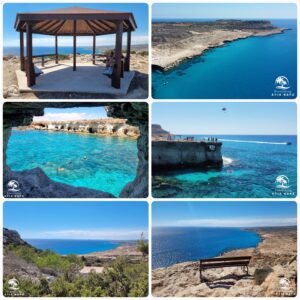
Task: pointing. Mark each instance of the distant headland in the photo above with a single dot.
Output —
(174, 42)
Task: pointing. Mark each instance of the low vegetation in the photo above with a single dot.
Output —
(120, 279)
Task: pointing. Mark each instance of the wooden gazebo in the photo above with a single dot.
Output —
(75, 21)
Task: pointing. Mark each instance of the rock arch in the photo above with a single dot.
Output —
(21, 114)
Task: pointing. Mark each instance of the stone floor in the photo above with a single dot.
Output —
(88, 78)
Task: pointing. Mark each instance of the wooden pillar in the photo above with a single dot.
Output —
(29, 65)
(74, 45)
(116, 78)
(56, 50)
(22, 58)
(94, 49)
(127, 61)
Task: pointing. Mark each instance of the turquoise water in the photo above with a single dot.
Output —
(171, 245)
(64, 247)
(100, 163)
(50, 50)
(251, 165)
(243, 69)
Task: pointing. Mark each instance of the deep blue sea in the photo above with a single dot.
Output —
(64, 247)
(50, 50)
(100, 163)
(251, 166)
(171, 245)
(242, 69)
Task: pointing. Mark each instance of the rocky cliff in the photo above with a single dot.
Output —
(185, 154)
(173, 42)
(12, 237)
(105, 127)
(157, 131)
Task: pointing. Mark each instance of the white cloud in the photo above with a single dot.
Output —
(94, 234)
(255, 222)
(82, 41)
(65, 117)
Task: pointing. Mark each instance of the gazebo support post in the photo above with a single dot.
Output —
(127, 61)
(29, 64)
(116, 78)
(56, 50)
(94, 49)
(22, 58)
(74, 45)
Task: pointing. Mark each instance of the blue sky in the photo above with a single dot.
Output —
(224, 10)
(11, 37)
(70, 114)
(224, 213)
(239, 118)
(114, 220)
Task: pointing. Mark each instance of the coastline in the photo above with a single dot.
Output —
(165, 58)
(99, 127)
(275, 253)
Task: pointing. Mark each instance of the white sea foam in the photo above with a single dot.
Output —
(227, 161)
(255, 142)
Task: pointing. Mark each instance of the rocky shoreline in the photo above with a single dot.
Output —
(172, 43)
(272, 271)
(101, 127)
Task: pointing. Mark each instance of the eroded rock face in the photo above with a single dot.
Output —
(106, 127)
(136, 113)
(185, 154)
(12, 237)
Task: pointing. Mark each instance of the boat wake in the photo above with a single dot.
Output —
(254, 142)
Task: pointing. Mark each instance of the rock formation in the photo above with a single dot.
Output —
(105, 127)
(22, 113)
(157, 131)
(12, 237)
(185, 154)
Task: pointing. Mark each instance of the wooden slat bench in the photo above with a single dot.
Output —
(223, 262)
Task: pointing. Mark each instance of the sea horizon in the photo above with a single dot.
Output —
(64, 50)
(75, 246)
(176, 245)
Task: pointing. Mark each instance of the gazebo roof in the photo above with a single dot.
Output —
(89, 21)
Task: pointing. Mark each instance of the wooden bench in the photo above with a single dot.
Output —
(224, 262)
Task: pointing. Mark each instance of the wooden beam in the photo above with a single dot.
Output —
(116, 78)
(29, 66)
(74, 45)
(22, 58)
(127, 60)
(94, 49)
(56, 50)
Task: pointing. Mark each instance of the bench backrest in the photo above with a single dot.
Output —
(222, 262)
